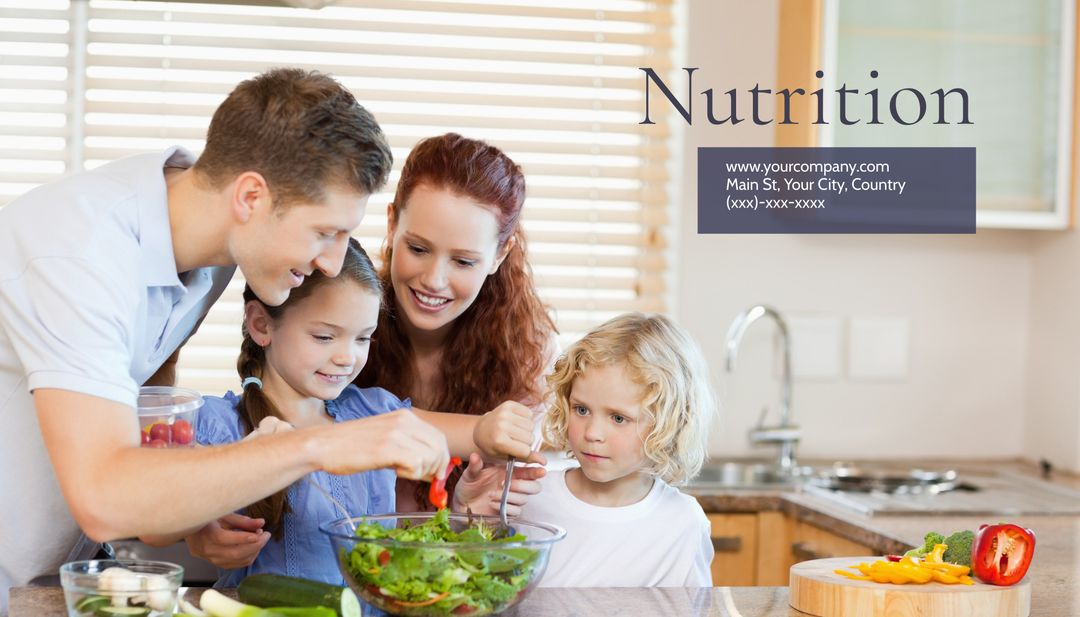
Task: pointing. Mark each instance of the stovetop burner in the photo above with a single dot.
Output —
(1003, 493)
(851, 477)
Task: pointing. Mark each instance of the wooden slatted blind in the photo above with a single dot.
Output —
(554, 84)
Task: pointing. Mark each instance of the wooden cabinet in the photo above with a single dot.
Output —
(774, 548)
(735, 540)
(812, 542)
(759, 548)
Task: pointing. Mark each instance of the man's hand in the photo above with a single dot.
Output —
(98, 462)
(480, 487)
(232, 541)
(398, 440)
(505, 431)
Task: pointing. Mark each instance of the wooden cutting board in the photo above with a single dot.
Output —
(817, 590)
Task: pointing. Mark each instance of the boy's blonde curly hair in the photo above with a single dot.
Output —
(660, 357)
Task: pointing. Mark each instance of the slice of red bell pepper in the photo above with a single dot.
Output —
(437, 494)
(1002, 553)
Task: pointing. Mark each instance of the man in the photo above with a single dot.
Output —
(104, 275)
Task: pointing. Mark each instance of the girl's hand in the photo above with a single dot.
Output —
(480, 487)
(506, 431)
(232, 541)
(268, 426)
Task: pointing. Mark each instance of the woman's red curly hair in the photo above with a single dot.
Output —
(495, 350)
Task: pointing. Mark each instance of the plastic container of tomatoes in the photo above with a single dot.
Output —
(167, 416)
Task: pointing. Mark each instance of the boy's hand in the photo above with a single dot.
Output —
(506, 431)
(232, 541)
(480, 487)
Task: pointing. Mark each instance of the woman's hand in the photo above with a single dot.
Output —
(480, 487)
(232, 541)
(506, 431)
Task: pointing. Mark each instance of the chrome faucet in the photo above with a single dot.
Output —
(785, 434)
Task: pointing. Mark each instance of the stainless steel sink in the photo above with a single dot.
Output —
(746, 474)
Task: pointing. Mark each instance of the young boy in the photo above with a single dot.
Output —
(105, 274)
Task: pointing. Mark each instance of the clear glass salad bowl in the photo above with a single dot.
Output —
(120, 588)
(440, 564)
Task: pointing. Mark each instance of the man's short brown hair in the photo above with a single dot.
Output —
(302, 130)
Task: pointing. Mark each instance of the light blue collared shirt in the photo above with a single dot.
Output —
(90, 302)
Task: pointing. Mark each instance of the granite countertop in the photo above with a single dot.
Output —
(551, 602)
(1055, 571)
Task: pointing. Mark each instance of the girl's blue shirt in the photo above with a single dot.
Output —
(304, 551)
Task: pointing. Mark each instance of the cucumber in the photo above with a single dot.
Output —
(122, 611)
(303, 611)
(272, 590)
(89, 604)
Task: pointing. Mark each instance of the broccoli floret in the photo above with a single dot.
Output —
(929, 541)
(959, 551)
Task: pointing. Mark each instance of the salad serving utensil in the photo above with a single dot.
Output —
(506, 530)
(344, 513)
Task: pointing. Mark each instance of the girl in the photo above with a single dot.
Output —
(463, 328)
(632, 403)
(297, 361)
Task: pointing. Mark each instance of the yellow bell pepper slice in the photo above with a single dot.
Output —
(910, 570)
(853, 576)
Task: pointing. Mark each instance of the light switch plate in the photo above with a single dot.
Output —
(878, 349)
(816, 349)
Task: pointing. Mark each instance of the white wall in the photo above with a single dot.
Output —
(967, 300)
(1053, 397)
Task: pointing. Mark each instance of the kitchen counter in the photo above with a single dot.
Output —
(550, 602)
(1055, 571)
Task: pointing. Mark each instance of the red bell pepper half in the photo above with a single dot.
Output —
(1002, 553)
(437, 494)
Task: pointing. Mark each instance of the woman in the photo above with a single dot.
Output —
(464, 328)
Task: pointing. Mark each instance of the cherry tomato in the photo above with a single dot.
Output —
(160, 430)
(145, 437)
(158, 443)
(182, 432)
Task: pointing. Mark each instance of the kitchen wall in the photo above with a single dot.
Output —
(1052, 430)
(977, 307)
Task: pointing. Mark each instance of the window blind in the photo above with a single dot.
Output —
(554, 84)
(35, 95)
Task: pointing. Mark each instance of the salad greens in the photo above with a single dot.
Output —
(439, 580)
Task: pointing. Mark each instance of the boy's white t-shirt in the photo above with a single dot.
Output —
(661, 541)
